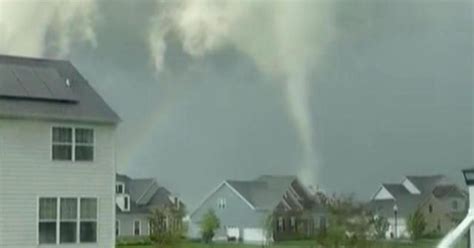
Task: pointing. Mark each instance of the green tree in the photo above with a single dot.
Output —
(416, 225)
(167, 227)
(209, 224)
(268, 226)
(381, 226)
(349, 224)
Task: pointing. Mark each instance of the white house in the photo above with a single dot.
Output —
(57, 157)
(442, 204)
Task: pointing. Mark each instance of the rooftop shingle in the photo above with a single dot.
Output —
(32, 88)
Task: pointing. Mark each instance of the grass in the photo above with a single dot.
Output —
(310, 244)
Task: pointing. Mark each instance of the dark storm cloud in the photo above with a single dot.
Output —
(392, 96)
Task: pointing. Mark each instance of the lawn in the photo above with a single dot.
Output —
(308, 244)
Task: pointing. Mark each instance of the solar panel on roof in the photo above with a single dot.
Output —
(55, 83)
(9, 85)
(34, 82)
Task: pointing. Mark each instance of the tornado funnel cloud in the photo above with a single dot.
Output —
(298, 98)
(283, 38)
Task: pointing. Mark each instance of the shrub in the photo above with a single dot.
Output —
(209, 224)
(381, 226)
(416, 225)
(349, 224)
(167, 228)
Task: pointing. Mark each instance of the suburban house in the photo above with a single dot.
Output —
(443, 204)
(135, 201)
(57, 157)
(244, 206)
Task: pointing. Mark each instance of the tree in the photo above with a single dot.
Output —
(268, 226)
(209, 224)
(381, 226)
(349, 224)
(416, 224)
(167, 228)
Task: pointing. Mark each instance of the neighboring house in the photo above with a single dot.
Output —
(243, 206)
(57, 157)
(135, 199)
(443, 204)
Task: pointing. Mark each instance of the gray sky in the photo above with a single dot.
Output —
(391, 95)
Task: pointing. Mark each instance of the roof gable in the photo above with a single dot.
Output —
(382, 194)
(215, 190)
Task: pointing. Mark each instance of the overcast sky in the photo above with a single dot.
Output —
(390, 95)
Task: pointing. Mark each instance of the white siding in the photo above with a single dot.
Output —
(27, 173)
(254, 235)
(410, 187)
(402, 231)
(383, 194)
(126, 224)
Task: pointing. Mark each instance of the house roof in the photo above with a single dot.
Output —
(265, 192)
(268, 193)
(449, 190)
(34, 88)
(435, 185)
(426, 184)
(406, 204)
(145, 193)
(396, 189)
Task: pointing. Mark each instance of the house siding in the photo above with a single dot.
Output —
(383, 194)
(236, 214)
(442, 214)
(27, 173)
(126, 225)
(399, 228)
(447, 203)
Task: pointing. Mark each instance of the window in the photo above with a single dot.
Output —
(88, 220)
(68, 220)
(281, 224)
(126, 203)
(430, 208)
(455, 205)
(47, 220)
(221, 203)
(84, 140)
(72, 216)
(293, 224)
(120, 188)
(136, 228)
(62, 143)
(73, 144)
(117, 228)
